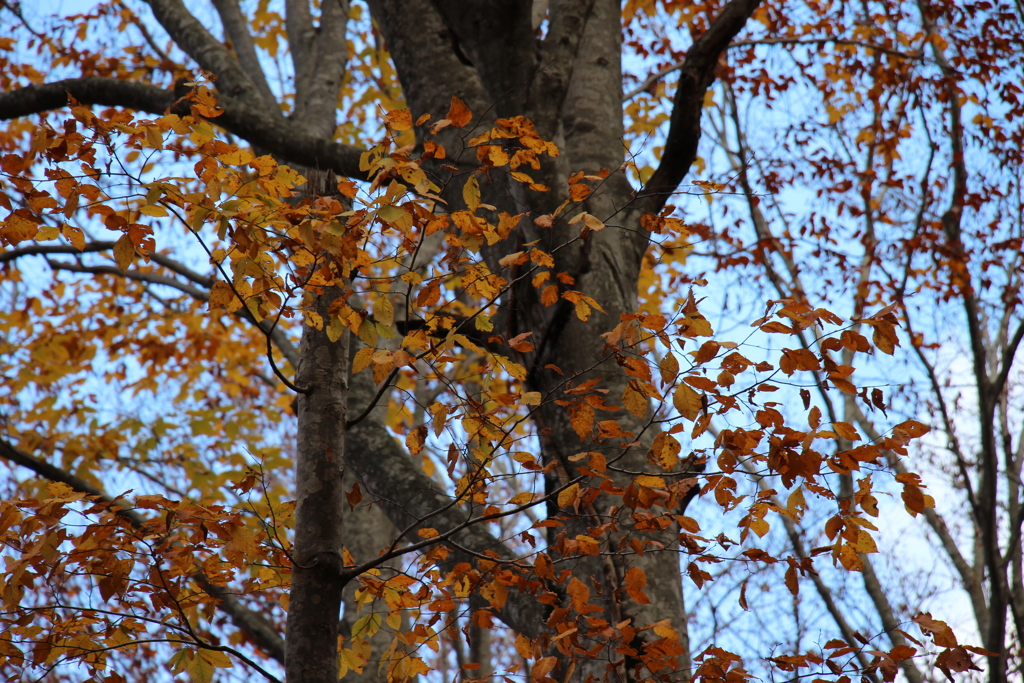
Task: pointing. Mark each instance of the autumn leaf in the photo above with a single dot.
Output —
(399, 119)
(124, 253)
(459, 114)
(568, 495)
(471, 193)
(634, 582)
(687, 402)
(579, 595)
(634, 398)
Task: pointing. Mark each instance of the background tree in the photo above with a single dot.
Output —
(470, 239)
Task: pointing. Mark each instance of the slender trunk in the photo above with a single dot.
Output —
(315, 603)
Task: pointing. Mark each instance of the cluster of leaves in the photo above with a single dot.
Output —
(271, 255)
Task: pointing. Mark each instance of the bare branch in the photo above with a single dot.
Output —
(44, 249)
(209, 53)
(1006, 362)
(661, 73)
(316, 92)
(824, 592)
(236, 29)
(888, 617)
(968, 577)
(298, 22)
(140, 276)
(695, 77)
(146, 35)
(273, 333)
(557, 61)
(120, 507)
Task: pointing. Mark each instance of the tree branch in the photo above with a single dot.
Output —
(275, 134)
(236, 29)
(695, 77)
(316, 92)
(824, 592)
(661, 73)
(273, 333)
(557, 62)
(210, 54)
(408, 496)
(298, 22)
(140, 276)
(1006, 362)
(44, 249)
(968, 577)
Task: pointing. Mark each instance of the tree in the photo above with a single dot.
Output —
(456, 263)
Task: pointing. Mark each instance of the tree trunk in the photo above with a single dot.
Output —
(315, 602)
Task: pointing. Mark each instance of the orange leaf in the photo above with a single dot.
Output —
(846, 430)
(459, 114)
(707, 352)
(579, 594)
(400, 119)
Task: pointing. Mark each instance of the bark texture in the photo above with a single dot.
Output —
(315, 601)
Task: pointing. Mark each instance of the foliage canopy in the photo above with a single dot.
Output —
(383, 340)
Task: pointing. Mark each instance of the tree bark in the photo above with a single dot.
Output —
(316, 592)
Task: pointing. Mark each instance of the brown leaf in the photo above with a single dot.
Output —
(706, 352)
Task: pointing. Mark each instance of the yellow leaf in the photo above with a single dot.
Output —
(124, 253)
(663, 629)
(399, 119)
(384, 311)
(73, 235)
(471, 193)
(687, 402)
(236, 158)
(650, 481)
(313, 319)
(366, 625)
(865, 543)
(427, 533)
(569, 496)
(530, 398)
(634, 399)
(521, 499)
(217, 658)
(668, 367)
(200, 670)
(361, 360)
(848, 557)
(796, 503)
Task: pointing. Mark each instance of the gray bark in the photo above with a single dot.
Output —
(315, 601)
